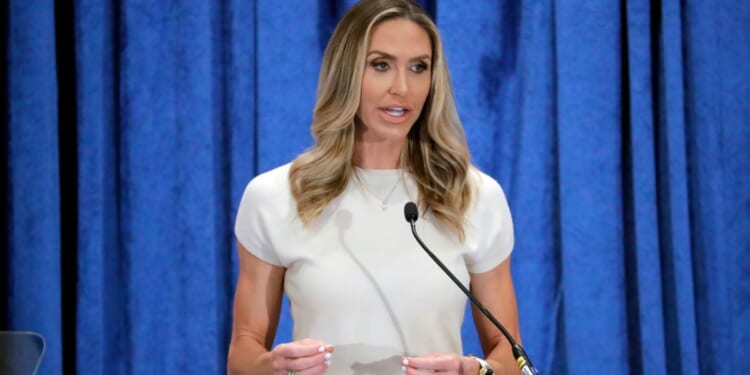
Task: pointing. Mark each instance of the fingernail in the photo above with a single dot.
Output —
(321, 349)
(327, 356)
(329, 348)
(327, 362)
(403, 368)
(405, 362)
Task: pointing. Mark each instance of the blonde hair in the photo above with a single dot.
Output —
(435, 153)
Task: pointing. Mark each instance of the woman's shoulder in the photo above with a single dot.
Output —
(490, 225)
(270, 184)
(488, 196)
(265, 201)
(485, 186)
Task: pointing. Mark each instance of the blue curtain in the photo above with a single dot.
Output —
(620, 131)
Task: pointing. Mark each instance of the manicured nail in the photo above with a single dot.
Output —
(327, 362)
(321, 349)
(329, 348)
(405, 362)
(403, 368)
(327, 356)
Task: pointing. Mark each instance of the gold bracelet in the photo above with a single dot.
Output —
(484, 367)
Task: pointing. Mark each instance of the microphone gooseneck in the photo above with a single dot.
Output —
(411, 214)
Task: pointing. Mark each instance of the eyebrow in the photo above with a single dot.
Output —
(391, 57)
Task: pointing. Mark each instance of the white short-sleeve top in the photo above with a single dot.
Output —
(357, 279)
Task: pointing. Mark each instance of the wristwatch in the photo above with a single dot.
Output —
(484, 367)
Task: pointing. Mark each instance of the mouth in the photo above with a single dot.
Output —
(395, 111)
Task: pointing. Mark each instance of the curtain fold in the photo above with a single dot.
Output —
(619, 131)
(33, 179)
(101, 302)
(717, 116)
(535, 200)
(674, 216)
(588, 119)
(643, 264)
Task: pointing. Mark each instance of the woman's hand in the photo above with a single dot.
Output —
(302, 357)
(440, 363)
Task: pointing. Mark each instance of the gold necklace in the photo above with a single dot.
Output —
(384, 202)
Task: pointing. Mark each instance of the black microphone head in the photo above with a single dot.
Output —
(411, 213)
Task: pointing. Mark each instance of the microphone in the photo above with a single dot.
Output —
(522, 359)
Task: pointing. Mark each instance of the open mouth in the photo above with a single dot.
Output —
(395, 111)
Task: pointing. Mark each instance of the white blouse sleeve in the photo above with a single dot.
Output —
(255, 217)
(491, 226)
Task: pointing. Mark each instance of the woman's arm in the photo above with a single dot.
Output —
(494, 289)
(257, 304)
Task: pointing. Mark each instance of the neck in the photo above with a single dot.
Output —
(377, 154)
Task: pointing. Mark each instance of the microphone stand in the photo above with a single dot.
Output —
(522, 359)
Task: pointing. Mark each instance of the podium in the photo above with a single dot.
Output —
(20, 352)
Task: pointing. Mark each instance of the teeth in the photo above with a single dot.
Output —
(395, 111)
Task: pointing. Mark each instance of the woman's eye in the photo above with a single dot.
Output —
(419, 68)
(380, 66)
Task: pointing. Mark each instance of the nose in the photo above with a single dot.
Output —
(399, 84)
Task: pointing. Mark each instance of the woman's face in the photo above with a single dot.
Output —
(396, 81)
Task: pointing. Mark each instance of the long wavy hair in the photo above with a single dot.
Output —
(435, 154)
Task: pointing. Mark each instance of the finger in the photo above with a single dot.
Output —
(408, 368)
(414, 371)
(302, 348)
(316, 370)
(326, 347)
(304, 363)
(434, 363)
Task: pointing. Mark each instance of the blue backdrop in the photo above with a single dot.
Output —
(620, 131)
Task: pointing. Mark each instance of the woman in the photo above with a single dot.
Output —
(328, 229)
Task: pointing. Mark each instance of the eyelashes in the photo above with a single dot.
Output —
(419, 68)
(382, 66)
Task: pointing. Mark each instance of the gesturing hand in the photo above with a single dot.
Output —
(302, 357)
(439, 363)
